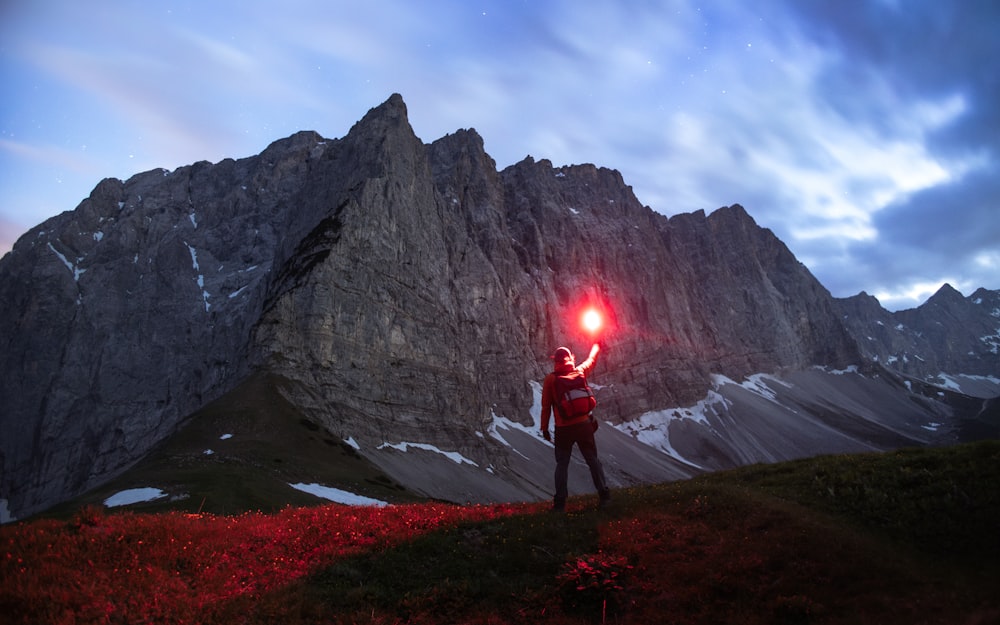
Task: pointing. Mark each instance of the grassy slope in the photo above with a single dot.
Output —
(911, 536)
(906, 537)
(272, 445)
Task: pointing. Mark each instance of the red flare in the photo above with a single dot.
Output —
(592, 321)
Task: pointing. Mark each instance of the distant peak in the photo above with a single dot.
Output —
(945, 295)
(388, 119)
(394, 107)
(395, 100)
(392, 112)
(462, 136)
(736, 210)
(732, 214)
(947, 290)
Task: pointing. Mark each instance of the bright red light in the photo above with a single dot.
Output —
(592, 321)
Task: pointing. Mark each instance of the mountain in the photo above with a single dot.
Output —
(403, 298)
(948, 333)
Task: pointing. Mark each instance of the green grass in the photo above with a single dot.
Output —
(911, 536)
(273, 444)
(906, 537)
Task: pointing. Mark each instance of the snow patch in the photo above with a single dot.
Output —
(225, 437)
(756, 384)
(653, 428)
(201, 278)
(497, 423)
(536, 404)
(194, 256)
(454, 456)
(992, 342)
(853, 369)
(966, 384)
(502, 423)
(208, 452)
(133, 495)
(948, 382)
(336, 495)
(353, 443)
(5, 516)
(75, 270)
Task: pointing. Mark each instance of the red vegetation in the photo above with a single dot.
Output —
(184, 568)
(709, 559)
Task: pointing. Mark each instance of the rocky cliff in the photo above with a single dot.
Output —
(407, 293)
(948, 333)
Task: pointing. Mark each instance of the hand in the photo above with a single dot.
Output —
(547, 435)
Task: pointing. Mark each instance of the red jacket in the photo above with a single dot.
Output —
(549, 389)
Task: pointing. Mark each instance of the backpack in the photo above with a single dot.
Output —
(573, 397)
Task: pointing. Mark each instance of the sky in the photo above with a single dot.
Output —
(865, 135)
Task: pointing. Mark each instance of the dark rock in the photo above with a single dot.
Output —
(948, 334)
(407, 293)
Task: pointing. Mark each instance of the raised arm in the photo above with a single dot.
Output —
(591, 360)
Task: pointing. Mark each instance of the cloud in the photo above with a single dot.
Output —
(46, 154)
(845, 129)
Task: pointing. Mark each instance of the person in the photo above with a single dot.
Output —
(577, 430)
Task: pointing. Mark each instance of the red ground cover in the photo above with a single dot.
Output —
(179, 568)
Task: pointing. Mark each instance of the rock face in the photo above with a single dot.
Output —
(408, 293)
(949, 333)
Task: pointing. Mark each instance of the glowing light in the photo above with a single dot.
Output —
(592, 321)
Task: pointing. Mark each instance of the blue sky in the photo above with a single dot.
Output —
(866, 135)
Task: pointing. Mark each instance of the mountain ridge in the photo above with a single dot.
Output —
(408, 292)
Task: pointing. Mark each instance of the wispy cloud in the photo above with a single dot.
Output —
(854, 131)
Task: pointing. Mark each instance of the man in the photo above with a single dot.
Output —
(571, 430)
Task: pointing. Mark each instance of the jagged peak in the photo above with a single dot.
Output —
(864, 295)
(983, 294)
(392, 112)
(864, 302)
(300, 138)
(722, 215)
(461, 138)
(735, 212)
(946, 294)
(589, 170)
(463, 144)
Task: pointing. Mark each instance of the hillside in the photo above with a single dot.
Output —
(901, 537)
(404, 297)
(253, 449)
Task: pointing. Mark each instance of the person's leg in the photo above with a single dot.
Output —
(564, 449)
(588, 447)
